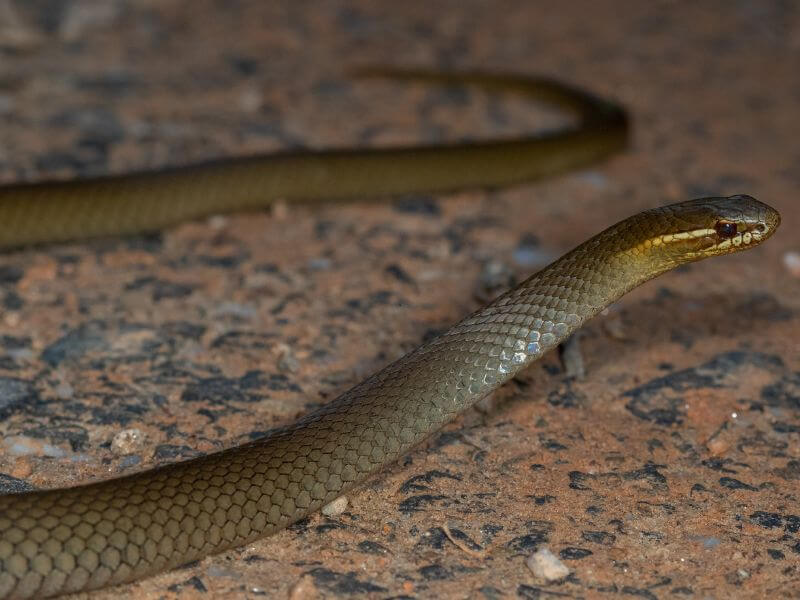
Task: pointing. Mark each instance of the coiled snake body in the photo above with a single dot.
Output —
(58, 541)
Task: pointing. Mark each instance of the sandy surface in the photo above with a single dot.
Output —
(671, 470)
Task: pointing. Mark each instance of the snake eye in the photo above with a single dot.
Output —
(725, 229)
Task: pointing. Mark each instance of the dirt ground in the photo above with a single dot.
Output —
(671, 470)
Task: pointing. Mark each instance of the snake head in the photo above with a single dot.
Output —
(706, 227)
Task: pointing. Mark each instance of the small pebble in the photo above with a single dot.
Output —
(304, 589)
(532, 258)
(336, 507)
(250, 100)
(546, 565)
(64, 391)
(19, 445)
(319, 264)
(791, 260)
(529, 254)
(128, 441)
(718, 446)
(572, 357)
(130, 460)
(279, 210)
(495, 278)
(217, 222)
(496, 274)
(22, 468)
(593, 178)
(615, 329)
(222, 571)
(287, 363)
(236, 310)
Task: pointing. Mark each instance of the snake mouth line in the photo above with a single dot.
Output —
(704, 240)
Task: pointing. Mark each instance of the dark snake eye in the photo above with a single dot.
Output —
(725, 229)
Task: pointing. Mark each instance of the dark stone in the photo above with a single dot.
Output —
(566, 397)
(718, 464)
(649, 472)
(415, 483)
(784, 393)
(379, 298)
(118, 410)
(437, 539)
(193, 582)
(224, 390)
(95, 124)
(571, 553)
(599, 537)
(791, 471)
(418, 503)
(553, 446)
(735, 484)
(660, 400)
(422, 205)
(369, 547)
(12, 485)
(74, 435)
(244, 65)
(533, 592)
(12, 343)
(329, 526)
(399, 273)
(542, 500)
(766, 520)
(169, 289)
(76, 343)
(783, 427)
(10, 274)
(15, 394)
(342, 583)
(435, 572)
(110, 83)
(764, 306)
(13, 301)
(527, 543)
(642, 593)
(171, 451)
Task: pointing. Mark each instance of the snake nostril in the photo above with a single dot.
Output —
(761, 229)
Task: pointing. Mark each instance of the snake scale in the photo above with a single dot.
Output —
(58, 541)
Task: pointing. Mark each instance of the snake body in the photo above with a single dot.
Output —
(142, 202)
(59, 541)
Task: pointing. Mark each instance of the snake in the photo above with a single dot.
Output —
(109, 532)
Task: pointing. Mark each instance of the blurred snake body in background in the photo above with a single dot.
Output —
(59, 541)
